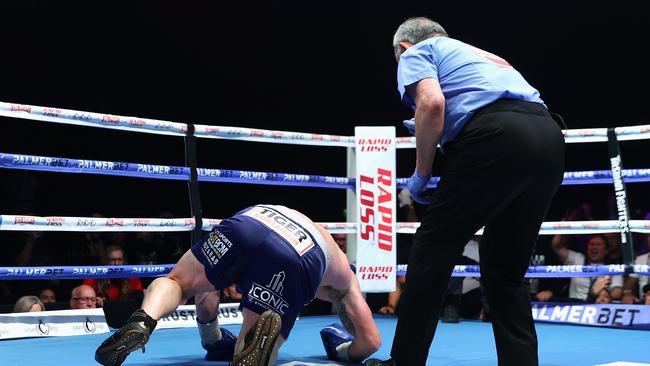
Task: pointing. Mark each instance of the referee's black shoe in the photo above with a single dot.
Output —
(450, 314)
(132, 336)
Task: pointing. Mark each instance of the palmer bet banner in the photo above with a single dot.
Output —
(53, 323)
(376, 190)
(185, 316)
(600, 315)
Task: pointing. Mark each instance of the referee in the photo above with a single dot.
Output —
(503, 160)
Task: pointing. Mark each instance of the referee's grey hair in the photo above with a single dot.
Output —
(416, 30)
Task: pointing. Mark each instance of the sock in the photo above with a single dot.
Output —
(210, 332)
(140, 316)
(343, 352)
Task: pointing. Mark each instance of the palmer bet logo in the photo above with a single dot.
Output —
(270, 296)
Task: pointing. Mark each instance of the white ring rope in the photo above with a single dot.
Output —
(86, 224)
(137, 124)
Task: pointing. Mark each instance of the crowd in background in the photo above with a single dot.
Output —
(464, 298)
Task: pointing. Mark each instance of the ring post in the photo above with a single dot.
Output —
(351, 205)
(376, 227)
(193, 184)
(627, 247)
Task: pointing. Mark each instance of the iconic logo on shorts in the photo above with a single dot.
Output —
(276, 282)
(270, 296)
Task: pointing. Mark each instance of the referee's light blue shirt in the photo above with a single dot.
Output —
(470, 78)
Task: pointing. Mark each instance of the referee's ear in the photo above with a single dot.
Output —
(404, 45)
(401, 47)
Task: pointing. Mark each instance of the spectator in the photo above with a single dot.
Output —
(614, 253)
(557, 289)
(34, 248)
(85, 249)
(28, 304)
(6, 294)
(646, 294)
(596, 293)
(546, 289)
(393, 298)
(453, 298)
(47, 296)
(157, 247)
(464, 297)
(116, 288)
(153, 247)
(83, 297)
(635, 282)
(342, 241)
(18, 195)
(148, 247)
(31, 253)
(629, 298)
(95, 244)
(406, 212)
(473, 303)
(603, 297)
(581, 288)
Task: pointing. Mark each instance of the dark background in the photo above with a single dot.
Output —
(321, 67)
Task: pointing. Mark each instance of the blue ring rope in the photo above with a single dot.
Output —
(81, 272)
(152, 171)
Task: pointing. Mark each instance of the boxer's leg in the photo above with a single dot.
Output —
(218, 342)
(259, 339)
(162, 297)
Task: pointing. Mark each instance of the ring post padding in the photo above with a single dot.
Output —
(627, 246)
(351, 205)
(193, 184)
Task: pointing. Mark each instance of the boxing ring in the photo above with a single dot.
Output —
(465, 343)
(468, 343)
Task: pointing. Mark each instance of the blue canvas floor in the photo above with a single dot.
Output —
(468, 343)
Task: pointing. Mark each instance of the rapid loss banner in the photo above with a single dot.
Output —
(376, 190)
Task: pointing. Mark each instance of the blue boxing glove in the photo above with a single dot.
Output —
(410, 124)
(336, 340)
(417, 185)
(223, 349)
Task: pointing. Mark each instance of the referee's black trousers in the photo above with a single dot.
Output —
(501, 172)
